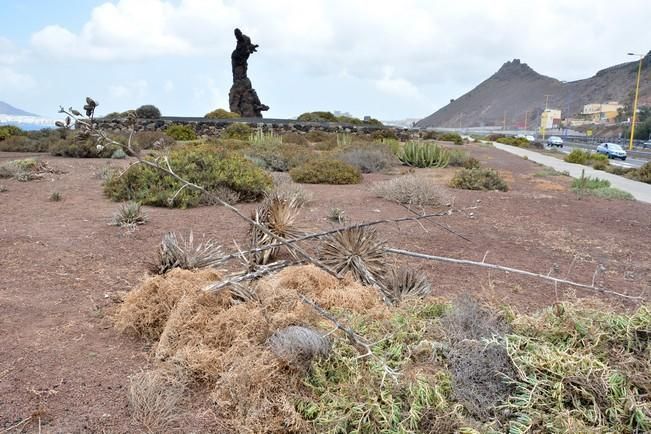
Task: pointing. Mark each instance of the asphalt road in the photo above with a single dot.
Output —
(635, 159)
(639, 190)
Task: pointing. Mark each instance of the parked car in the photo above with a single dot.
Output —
(612, 150)
(646, 144)
(530, 138)
(555, 141)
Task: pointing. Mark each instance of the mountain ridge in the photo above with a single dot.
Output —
(7, 109)
(517, 92)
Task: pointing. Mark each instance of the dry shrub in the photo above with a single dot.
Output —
(356, 250)
(226, 344)
(402, 283)
(481, 373)
(285, 189)
(154, 397)
(278, 214)
(298, 345)
(412, 190)
(179, 252)
(468, 319)
(146, 309)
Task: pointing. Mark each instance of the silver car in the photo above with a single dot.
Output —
(555, 141)
(612, 150)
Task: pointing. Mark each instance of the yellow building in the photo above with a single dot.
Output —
(602, 112)
(550, 119)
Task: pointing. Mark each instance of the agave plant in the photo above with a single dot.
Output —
(278, 213)
(129, 215)
(178, 252)
(405, 282)
(357, 250)
(420, 154)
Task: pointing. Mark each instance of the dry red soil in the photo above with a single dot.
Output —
(63, 365)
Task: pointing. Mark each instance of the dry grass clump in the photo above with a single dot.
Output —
(24, 170)
(154, 398)
(468, 319)
(412, 190)
(357, 250)
(179, 252)
(146, 310)
(402, 283)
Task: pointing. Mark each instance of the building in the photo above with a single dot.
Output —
(550, 118)
(602, 112)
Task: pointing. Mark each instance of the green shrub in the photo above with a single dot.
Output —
(326, 171)
(588, 183)
(81, 148)
(643, 174)
(599, 157)
(118, 154)
(181, 132)
(24, 144)
(369, 159)
(278, 158)
(393, 144)
(316, 136)
(421, 154)
(240, 131)
(478, 179)
(151, 139)
(317, 117)
(10, 131)
(578, 156)
(229, 144)
(610, 193)
(221, 114)
(520, 142)
(295, 138)
(599, 165)
(458, 158)
(201, 165)
(471, 163)
(148, 112)
(115, 115)
(385, 133)
(451, 137)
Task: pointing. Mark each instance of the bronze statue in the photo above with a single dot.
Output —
(242, 98)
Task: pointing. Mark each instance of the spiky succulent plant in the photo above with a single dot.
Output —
(403, 282)
(357, 250)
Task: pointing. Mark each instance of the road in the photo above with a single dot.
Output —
(639, 190)
(635, 159)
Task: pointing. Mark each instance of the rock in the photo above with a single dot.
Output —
(242, 98)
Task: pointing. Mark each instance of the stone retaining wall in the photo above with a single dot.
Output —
(214, 127)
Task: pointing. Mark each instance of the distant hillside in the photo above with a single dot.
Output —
(6, 109)
(516, 89)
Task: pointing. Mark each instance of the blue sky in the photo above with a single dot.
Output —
(387, 59)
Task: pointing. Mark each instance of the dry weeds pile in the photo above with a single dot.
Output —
(228, 345)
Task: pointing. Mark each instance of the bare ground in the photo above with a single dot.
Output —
(62, 265)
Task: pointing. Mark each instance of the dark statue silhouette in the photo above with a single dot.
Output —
(242, 98)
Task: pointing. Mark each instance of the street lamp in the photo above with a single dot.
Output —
(637, 89)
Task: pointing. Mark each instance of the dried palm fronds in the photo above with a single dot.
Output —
(405, 282)
(278, 213)
(357, 250)
(178, 252)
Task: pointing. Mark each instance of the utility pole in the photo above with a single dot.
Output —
(637, 90)
(543, 125)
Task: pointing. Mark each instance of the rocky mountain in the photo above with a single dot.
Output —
(6, 109)
(516, 91)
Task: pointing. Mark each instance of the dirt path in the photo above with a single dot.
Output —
(61, 265)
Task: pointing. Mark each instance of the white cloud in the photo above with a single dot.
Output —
(135, 90)
(12, 81)
(396, 86)
(168, 86)
(207, 91)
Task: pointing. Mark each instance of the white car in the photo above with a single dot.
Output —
(530, 138)
(555, 141)
(612, 150)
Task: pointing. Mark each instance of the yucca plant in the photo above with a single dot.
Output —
(179, 252)
(357, 250)
(402, 282)
(129, 215)
(344, 139)
(420, 154)
(262, 138)
(278, 213)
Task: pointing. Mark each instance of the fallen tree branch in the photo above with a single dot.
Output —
(591, 287)
(259, 272)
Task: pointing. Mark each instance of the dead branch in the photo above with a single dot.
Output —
(243, 276)
(591, 287)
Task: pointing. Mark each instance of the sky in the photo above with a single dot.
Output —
(387, 59)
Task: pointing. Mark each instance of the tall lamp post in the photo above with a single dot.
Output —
(637, 90)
